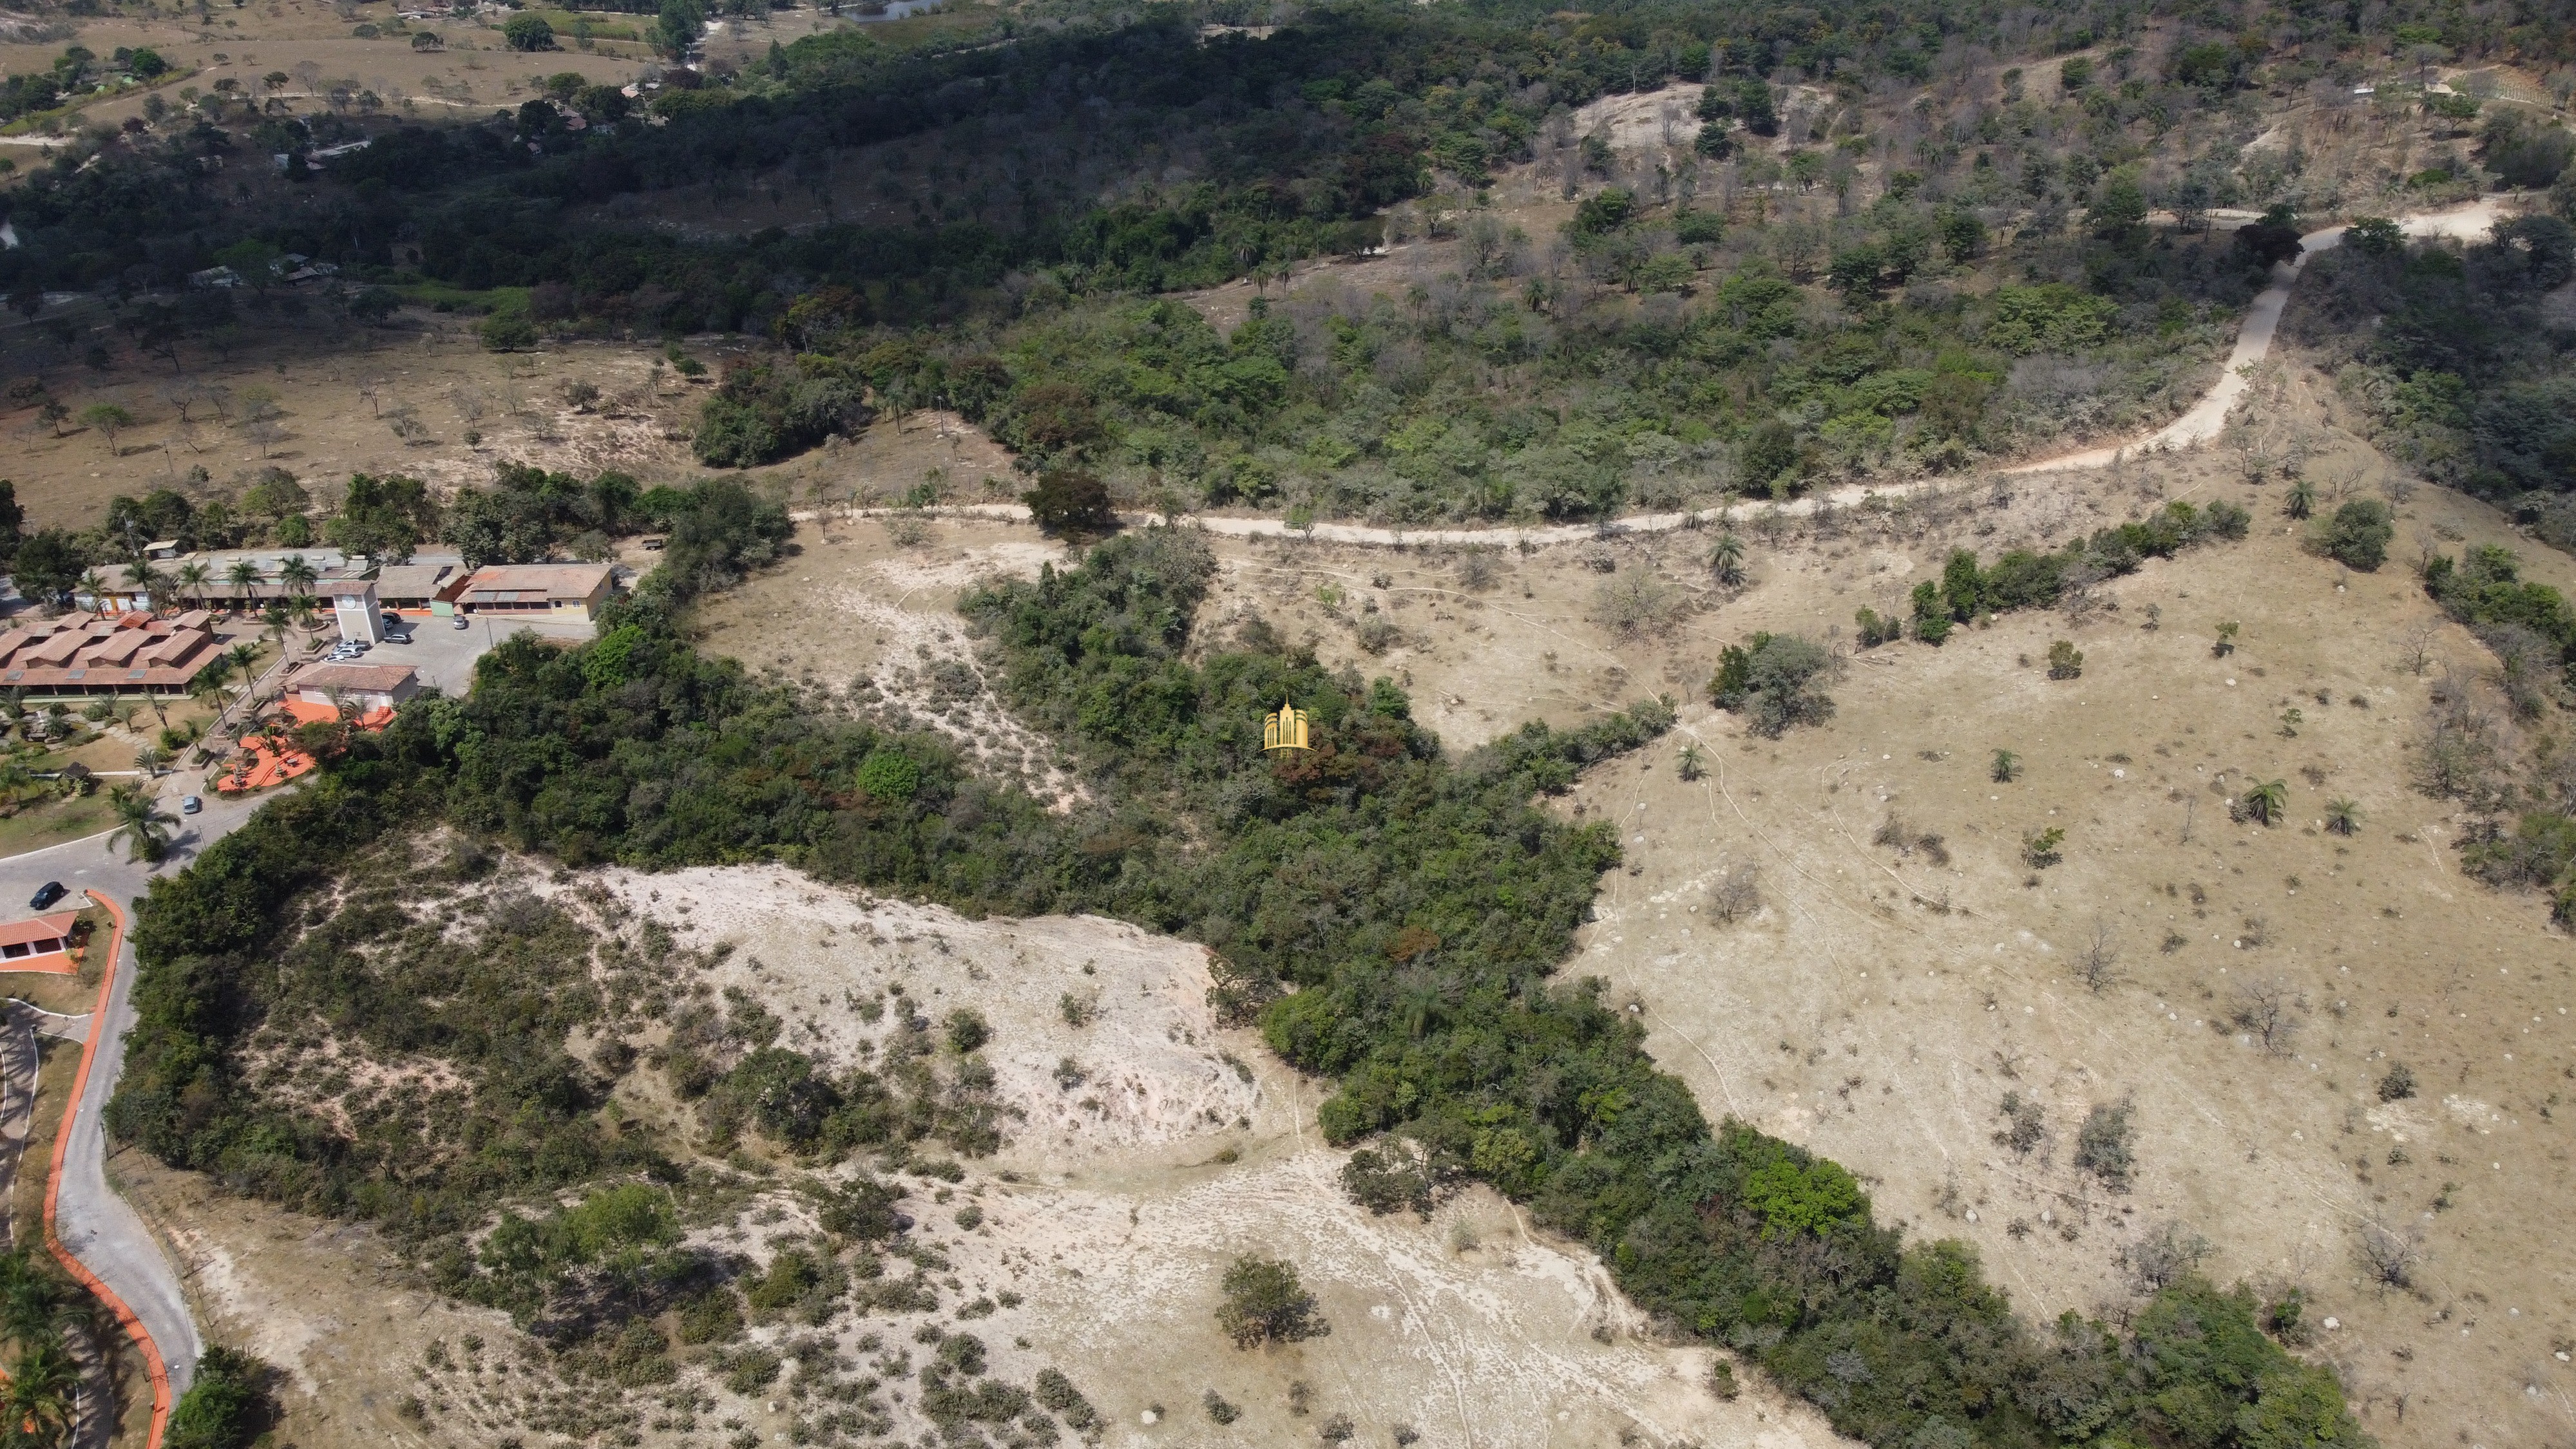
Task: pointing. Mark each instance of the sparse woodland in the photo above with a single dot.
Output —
(1866, 249)
(1390, 916)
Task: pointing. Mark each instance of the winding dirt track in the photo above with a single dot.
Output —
(2200, 423)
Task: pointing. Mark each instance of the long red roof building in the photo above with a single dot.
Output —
(88, 654)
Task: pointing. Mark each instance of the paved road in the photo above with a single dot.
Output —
(91, 1219)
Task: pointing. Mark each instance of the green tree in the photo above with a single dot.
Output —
(1265, 1303)
(2119, 210)
(245, 578)
(297, 574)
(109, 420)
(1070, 501)
(528, 32)
(678, 26)
(384, 518)
(507, 332)
(2375, 236)
(47, 564)
(2358, 534)
(1775, 681)
(38, 1397)
(225, 1403)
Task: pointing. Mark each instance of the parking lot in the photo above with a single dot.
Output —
(444, 655)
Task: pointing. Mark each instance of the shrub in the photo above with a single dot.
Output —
(2357, 536)
(507, 331)
(2025, 1124)
(1931, 613)
(750, 1370)
(2039, 848)
(1737, 893)
(1395, 1176)
(967, 1030)
(2268, 803)
(2397, 1083)
(224, 1406)
(1637, 602)
(2103, 1145)
(1265, 1303)
(2065, 661)
(2005, 769)
(890, 775)
(1874, 628)
(1771, 679)
(714, 1316)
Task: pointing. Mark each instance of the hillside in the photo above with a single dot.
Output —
(1815, 918)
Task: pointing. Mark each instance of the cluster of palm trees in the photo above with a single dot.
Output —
(42, 1385)
(296, 577)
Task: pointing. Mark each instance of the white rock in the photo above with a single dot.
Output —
(1149, 1416)
(2333, 1323)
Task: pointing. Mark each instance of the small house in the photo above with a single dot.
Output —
(556, 590)
(371, 687)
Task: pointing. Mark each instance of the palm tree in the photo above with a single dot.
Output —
(192, 582)
(2343, 817)
(1693, 765)
(297, 575)
(94, 584)
(212, 679)
(37, 1400)
(149, 760)
(141, 823)
(245, 576)
(2268, 802)
(142, 575)
(2303, 499)
(1728, 560)
(243, 656)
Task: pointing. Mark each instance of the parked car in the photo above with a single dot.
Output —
(190, 804)
(46, 894)
(461, 622)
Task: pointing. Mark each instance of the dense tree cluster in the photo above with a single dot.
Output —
(2444, 349)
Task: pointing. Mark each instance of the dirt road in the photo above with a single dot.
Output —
(2254, 340)
(2199, 424)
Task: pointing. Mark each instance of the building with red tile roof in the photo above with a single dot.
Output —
(86, 654)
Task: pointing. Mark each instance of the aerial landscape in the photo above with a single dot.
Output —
(1017, 723)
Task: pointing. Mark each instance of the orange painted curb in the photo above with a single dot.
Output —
(54, 1185)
